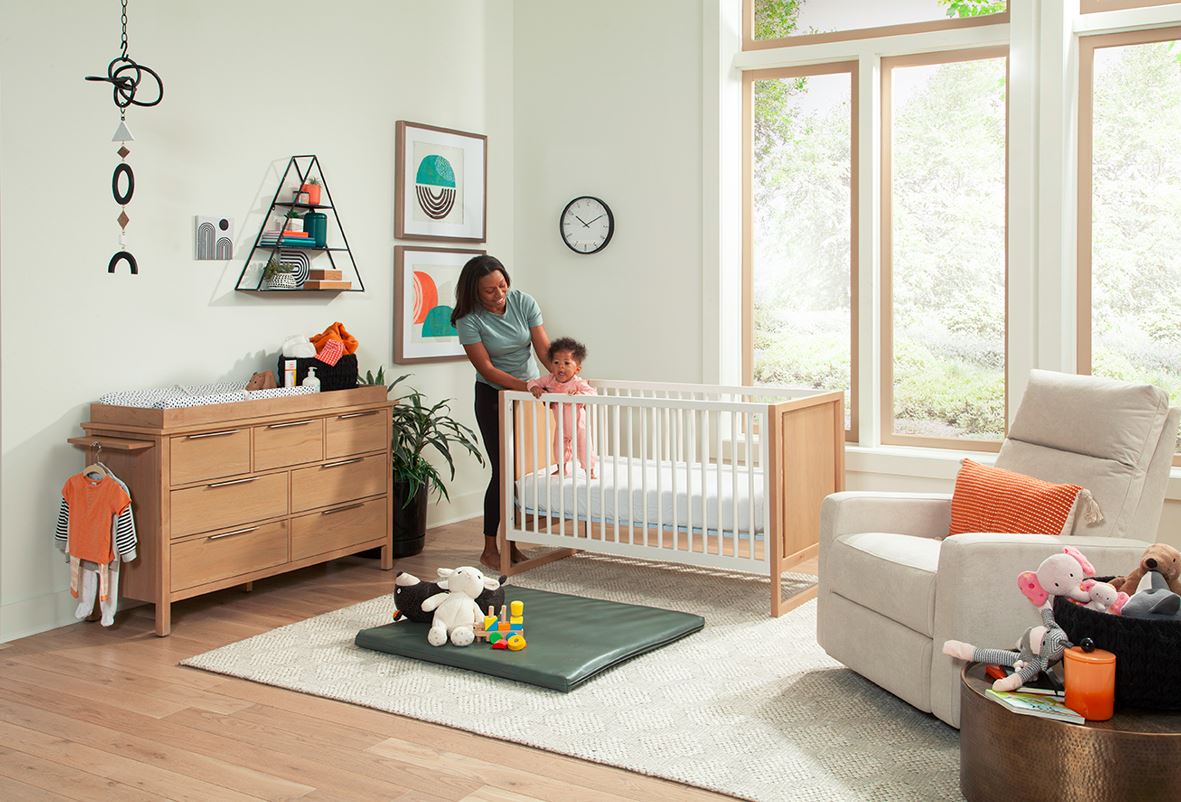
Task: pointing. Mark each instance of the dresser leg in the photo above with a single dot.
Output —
(163, 618)
(247, 586)
(387, 557)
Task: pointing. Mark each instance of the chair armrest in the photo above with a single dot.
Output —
(849, 512)
(977, 599)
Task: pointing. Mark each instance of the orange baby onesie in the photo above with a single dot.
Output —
(93, 506)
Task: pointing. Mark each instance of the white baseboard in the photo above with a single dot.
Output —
(39, 614)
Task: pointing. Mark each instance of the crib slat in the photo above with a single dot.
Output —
(733, 485)
(560, 457)
(719, 460)
(750, 484)
(615, 470)
(549, 443)
(690, 456)
(704, 490)
(536, 468)
(643, 480)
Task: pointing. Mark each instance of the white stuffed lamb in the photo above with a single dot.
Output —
(456, 610)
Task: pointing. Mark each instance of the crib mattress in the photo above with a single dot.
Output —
(543, 493)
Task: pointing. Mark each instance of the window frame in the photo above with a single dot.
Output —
(1099, 6)
(887, 435)
(749, 42)
(749, 77)
(1087, 45)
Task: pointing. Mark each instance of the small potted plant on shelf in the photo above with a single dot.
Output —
(312, 188)
(420, 427)
(294, 221)
(278, 276)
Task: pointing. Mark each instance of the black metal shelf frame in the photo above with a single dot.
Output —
(302, 174)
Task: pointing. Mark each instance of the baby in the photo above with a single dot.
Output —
(566, 356)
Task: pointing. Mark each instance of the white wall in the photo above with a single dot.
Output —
(247, 85)
(608, 103)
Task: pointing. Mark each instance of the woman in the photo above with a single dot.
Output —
(497, 326)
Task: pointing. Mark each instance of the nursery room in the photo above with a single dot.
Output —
(509, 400)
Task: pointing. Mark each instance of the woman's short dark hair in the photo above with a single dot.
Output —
(467, 289)
(576, 349)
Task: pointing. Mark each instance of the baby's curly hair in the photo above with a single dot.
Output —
(576, 349)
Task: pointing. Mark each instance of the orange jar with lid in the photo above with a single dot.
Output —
(1090, 682)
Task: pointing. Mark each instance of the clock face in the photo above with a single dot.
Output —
(586, 225)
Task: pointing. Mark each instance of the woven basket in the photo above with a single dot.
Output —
(1147, 652)
(341, 376)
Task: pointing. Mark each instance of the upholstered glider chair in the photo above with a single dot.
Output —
(894, 586)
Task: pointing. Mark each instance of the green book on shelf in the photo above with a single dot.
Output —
(1033, 704)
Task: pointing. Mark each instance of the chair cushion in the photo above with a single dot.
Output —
(995, 500)
(891, 574)
(1090, 415)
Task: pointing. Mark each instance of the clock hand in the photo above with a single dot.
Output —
(588, 224)
(584, 223)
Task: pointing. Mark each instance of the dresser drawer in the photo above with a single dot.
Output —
(209, 455)
(223, 504)
(288, 443)
(356, 433)
(338, 481)
(338, 528)
(225, 554)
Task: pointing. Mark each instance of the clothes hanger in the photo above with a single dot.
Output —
(96, 471)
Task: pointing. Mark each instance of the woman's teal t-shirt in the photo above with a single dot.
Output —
(506, 337)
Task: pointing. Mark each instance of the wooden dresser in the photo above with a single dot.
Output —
(228, 493)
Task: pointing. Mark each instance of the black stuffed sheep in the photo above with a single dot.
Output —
(410, 592)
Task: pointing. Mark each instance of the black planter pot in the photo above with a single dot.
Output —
(409, 520)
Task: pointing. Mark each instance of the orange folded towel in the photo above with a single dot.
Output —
(335, 332)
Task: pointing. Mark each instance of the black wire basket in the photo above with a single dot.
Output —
(341, 376)
(1147, 652)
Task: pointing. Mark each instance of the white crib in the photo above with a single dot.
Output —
(722, 477)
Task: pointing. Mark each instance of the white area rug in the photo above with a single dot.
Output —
(750, 706)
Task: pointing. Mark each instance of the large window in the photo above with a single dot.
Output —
(800, 255)
(776, 23)
(1129, 228)
(944, 248)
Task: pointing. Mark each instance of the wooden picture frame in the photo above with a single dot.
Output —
(441, 183)
(424, 294)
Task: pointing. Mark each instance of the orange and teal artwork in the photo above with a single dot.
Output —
(426, 280)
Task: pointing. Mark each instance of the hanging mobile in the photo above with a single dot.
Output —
(125, 76)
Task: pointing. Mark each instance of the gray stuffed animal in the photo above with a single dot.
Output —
(1040, 647)
(1154, 602)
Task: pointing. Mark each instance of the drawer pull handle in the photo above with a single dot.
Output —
(231, 534)
(356, 415)
(292, 423)
(342, 462)
(212, 434)
(235, 482)
(342, 509)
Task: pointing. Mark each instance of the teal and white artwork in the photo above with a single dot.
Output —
(441, 183)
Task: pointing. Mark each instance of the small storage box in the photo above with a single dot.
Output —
(341, 376)
(1147, 652)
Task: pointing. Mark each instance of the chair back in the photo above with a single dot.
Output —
(1114, 438)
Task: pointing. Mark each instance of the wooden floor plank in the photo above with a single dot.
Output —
(96, 708)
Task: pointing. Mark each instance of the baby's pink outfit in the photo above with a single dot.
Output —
(573, 421)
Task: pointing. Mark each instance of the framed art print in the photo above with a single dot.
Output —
(441, 183)
(424, 296)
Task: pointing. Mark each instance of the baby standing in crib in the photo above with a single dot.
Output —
(566, 356)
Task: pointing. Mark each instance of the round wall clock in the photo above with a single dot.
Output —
(586, 225)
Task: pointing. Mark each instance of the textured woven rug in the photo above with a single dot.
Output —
(750, 706)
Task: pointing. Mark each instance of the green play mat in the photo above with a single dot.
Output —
(571, 639)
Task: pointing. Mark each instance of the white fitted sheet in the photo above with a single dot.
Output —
(609, 491)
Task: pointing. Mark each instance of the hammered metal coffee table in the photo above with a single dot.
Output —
(1010, 757)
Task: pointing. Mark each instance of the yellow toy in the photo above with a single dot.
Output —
(505, 631)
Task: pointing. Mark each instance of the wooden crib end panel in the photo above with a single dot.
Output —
(809, 457)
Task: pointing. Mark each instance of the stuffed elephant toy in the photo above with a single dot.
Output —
(455, 608)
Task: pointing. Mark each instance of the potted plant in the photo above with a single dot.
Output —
(294, 221)
(312, 188)
(279, 276)
(420, 428)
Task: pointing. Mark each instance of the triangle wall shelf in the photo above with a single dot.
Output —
(312, 262)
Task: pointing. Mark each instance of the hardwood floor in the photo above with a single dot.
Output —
(88, 713)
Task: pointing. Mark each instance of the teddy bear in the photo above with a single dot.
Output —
(262, 380)
(1039, 647)
(410, 592)
(1159, 557)
(455, 608)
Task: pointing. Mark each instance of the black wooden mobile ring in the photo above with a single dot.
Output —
(126, 257)
(121, 198)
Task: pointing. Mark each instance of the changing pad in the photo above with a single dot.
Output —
(195, 395)
(570, 639)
